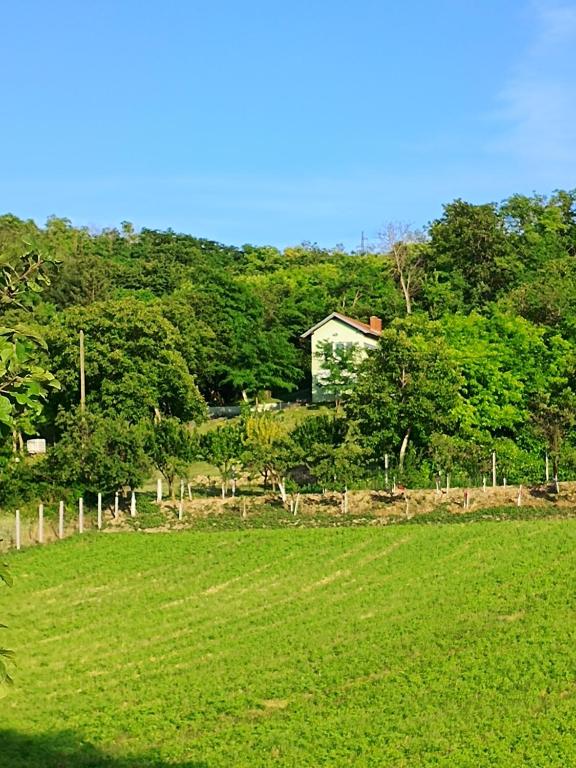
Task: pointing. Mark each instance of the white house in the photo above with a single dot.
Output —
(341, 332)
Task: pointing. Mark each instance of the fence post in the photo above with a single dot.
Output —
(133, 505)
(41, 524)
(80, 515)
(61, 520)
(180, 509)
(547, 468)
(99, 511)
(493, 469)
(484, 483)
(116, 504)
(190, 491)
(17, 530)
(519, 499)
(159, 490)
(447, 482)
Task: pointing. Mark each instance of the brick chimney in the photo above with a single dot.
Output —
(375, 324)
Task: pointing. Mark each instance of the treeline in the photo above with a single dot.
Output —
(477, 353)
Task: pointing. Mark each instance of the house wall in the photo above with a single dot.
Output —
(334, 331)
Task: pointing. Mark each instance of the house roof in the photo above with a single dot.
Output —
(359, 326)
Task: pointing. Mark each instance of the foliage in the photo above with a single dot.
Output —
(24, 383)
(268, 449)
(223, 447)
(329, 449)
(134, 367)
(172, 320)
(407, 389)
(339, 368)
(171, 447)
(98, 454)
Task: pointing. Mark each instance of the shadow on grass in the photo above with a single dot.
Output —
(66, 749)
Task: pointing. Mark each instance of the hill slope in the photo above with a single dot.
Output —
(428, 646)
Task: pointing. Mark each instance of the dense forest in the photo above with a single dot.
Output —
(477, 352)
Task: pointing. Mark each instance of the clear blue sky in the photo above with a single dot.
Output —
(275, 122)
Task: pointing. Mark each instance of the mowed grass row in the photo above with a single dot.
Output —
(410, 646)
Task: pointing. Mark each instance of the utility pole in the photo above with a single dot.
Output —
(82, 375)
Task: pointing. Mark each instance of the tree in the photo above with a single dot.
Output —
(471, 251)
(98, 453)
(24, 383)
(339, 368)
(223, 448)
(171, 447)
(408, 388)
(134, 366)
(268, 449)
(329, 449)
(406, 250)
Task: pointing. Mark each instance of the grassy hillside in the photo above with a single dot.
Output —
(446, 645)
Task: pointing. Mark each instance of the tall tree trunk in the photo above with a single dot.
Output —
(405, 285)
(403, 448)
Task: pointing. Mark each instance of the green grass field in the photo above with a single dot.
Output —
(436, 645)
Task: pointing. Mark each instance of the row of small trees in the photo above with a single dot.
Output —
(321, 450)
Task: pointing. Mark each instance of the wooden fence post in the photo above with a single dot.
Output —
(18, 532)
(159, 490)
(519, 498)
(484, 483)
(99, 511)
(61, 520)
(493, 469)
(80, 515)
(116, 504)
(190, 491)
(180, 509)
(41, 524)
(133, 505)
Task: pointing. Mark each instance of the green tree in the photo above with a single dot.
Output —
(268, 449)
(98, 453)
(134, 366)
(171, 447)
(24, 382)
(339, 368)
(470, 250)
(408, 388)
(328, 447)
(223, 448)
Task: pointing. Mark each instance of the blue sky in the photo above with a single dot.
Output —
(269, 122)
